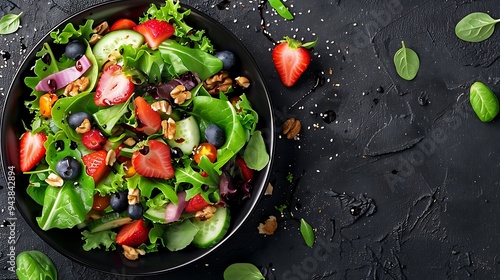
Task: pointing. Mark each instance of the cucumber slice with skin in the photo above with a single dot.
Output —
(156, 214)
(109, 221)
(212, 230)
(112, 41)
(187, 135)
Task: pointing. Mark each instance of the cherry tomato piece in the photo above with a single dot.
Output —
(129, 169)
(46, 102)
(205, 149)
(100, 202)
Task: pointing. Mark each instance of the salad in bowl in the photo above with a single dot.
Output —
(142, 135)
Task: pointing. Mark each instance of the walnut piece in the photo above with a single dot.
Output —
(269, 226)
(94, 39)
(206, 213)
(132, 253)
(134, 196)
(111, 157)
(162, 106)
(54, 180)
(219, 82)
(76, 86)
(169, 128)
(291, 128)
(180, 94)
(84, 127)
(129, 142)
(243, 82)
(269, 189)
(102, 28)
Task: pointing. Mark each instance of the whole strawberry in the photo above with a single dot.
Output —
(291, 58)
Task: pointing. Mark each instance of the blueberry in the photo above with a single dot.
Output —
(119, 201)
(76, 119)
(69, 168)
(176, 152)
(228, 59)
(75, 49)
(135, 211)
(215, 135)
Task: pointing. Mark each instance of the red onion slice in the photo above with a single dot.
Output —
(62, 78)
(173, 211)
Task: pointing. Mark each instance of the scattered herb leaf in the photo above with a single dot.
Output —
(289, 177)
(242, 271)
(281, 208)
(407, 63)
(35, 264)
(475, 27)
(9, 23)
(307, 232)
(281, 9)
(484, 102)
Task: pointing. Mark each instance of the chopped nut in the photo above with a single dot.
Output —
(243, 82)
(117, 130)
(162, 106)
(129, 142)
(169, 128)
(94, 39)
(93, 215)
(206, 213)
(76, 86)
(84, 127)
(111, 157)
(180, 94)
(108, 146)
(291, 128)
(54, 180)
(219, 82)
(112, 59)
(134, 196)
(102, 28)
(269, 189)
(132, 253)
(269, 226)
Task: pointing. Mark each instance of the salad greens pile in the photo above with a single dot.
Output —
(186, 56)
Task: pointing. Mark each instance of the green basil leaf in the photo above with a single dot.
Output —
(484, 102)
(475, 27)
(9, 23)
(407, 63)
(242, 271)
(281, 9)
(307, 232)
(255, 155)
(35, 265)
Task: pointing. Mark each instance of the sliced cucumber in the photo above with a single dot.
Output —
(187, 135)
(156, 214)
(213, 230)
(114, 40)
(109, 221)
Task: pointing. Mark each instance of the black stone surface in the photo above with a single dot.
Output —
(403, 184)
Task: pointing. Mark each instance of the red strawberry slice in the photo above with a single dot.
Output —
(246, 172)
(31, 150)
(113, 87)
(155, 31)
(153, 161)
(95, 164)
(196, 203)
(291, 58)
(149, 120)
(133, 234)
(123, 23)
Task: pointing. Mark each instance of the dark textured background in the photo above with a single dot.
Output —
(394, 189)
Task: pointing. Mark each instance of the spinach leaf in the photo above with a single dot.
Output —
(484, 102)
(255, 154)
(407, 63)
(307, 232)
(108, 117)
(281, 9)
(179, 235)
(35, 265)
(242, 271)
(37, 186)
(9, 23)
(475, 27)
(184, 59)
(95, 240)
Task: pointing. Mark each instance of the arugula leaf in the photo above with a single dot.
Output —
(147, 185)
(9, 23)
(255, 154)
(155, 238)
(107, 118)
(95, 240)
(179, 235)
(190, 176)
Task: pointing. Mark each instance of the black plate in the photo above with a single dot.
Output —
(68, 242)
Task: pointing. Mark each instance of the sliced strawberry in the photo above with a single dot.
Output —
(133, 234)
(95, 164)
(31, 150)
(123, 23)
(246, 172)
(153, 161)
(155, 31)
(291, 58)
(196, 203)
(149, 120)
(113, 87)
(93, 139)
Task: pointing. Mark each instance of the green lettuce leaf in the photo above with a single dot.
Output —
(70, 32)
(179, 235)
(96, 240)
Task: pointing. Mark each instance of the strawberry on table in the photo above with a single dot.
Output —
(149, 120)
(113, 87)
(95, 164)
(123, 23)
(291, 58)
(31, 150)
(155, 31)
(133, 234)
(153, 161)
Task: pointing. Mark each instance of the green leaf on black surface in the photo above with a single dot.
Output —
(281, 9)
(407, 63)
(243, 271)
(35, 265)
(484, 102)
(476, 27)
(307, 232)
(10, 23)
